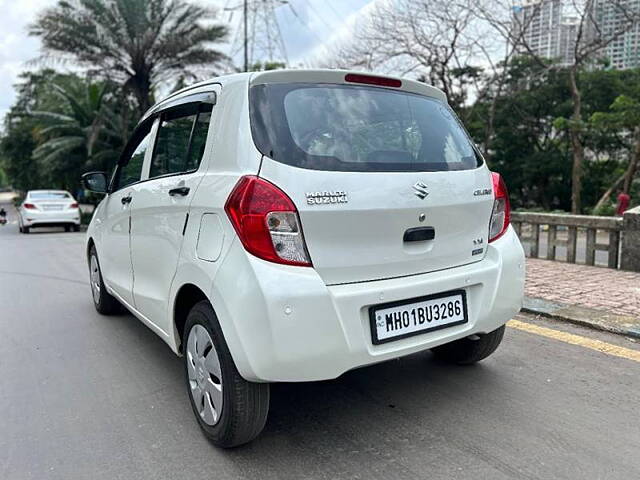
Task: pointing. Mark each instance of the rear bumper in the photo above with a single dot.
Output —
(55, 218)
(284, 324)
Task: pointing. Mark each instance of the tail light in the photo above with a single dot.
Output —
(501, 208)
(372, 80)
(29, 206)
(267, 222)
(74, 205)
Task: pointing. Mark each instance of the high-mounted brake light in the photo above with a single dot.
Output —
(267, 222)
(372, 80)
(501, 208)
(29, 206)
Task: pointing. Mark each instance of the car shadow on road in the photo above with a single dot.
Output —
(378, 408)
(372, 417)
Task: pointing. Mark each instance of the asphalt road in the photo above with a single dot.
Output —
(90, 397)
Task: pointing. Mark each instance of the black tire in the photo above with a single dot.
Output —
(467, 351)
(67, 228)
(245, 405)
(76, 228)
(104, 302)
(26, 229)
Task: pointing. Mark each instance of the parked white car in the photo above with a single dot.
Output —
(289, 226)
(49, 208)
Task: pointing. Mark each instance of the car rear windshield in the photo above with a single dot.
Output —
(354, 128)
(49, 195)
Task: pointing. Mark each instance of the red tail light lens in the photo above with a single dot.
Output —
(501, 208)
(74, 205)
(267, 222)
(29, 206)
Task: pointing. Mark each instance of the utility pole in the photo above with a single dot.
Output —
(264, 42)
(246, 36)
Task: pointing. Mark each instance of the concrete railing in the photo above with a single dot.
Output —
(630, 258)
(529, 226)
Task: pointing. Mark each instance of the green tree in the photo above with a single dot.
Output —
(16, 147)
(20, 135)
(526, 148)
(531, 145)
(137, 43)
(622, 122)
(84, 131)
(60, 126)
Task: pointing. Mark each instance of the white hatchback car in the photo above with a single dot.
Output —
(289, 226)
(49, 208)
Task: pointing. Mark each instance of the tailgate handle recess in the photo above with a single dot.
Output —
(419, 234)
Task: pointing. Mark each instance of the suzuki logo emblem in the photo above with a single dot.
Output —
(420, 190)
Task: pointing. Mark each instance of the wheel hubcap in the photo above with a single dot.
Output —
(94, 271)
(205, 377)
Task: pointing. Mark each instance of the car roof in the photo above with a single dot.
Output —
(48, 191)
(333, 76)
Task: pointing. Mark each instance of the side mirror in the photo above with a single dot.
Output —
(95, 182)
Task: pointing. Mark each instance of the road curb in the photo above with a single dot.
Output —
(587, 317)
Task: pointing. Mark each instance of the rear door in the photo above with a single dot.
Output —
(160, 209)
(386, 183)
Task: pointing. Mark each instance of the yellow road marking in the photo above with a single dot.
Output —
(592, 344)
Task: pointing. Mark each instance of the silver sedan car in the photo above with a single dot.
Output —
(49, 208)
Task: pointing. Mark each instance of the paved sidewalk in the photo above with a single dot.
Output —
(601, 297)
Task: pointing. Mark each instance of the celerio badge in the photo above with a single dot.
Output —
(482, 191)
(420, 190)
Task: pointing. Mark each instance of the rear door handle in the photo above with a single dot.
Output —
(179, 191)
(419, 234)
(126, 200)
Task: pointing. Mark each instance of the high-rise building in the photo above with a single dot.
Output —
(547, 27)
(612, 18)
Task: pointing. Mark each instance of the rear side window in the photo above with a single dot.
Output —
(353, 128)
(49, 196)
(180, 141)
(198, 140)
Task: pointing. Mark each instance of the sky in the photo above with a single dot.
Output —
(307, 26)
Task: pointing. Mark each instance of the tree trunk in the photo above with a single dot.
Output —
(142, 93)
(141, 85)
(577, 147)
(634, 160)
(605, 196)
(627, 176)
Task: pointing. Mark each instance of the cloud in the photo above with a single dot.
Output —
(344, 31)
(16, 47)
(307, 27)
(304, 25)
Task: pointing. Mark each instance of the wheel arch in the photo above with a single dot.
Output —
(187, 296)
(90, 244)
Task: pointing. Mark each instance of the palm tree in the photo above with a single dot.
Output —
(137, 43)
(85, 130)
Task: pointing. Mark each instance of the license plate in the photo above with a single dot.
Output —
(405, 318)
